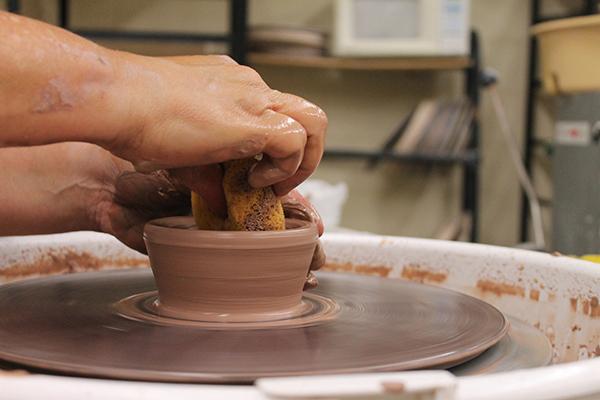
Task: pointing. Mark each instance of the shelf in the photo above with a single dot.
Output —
(467, 157)
(367, 64)
(151, 35)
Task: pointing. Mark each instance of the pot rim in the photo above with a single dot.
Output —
(156, 232)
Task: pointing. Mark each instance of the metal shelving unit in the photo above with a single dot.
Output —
(238, 49)
(588, 7)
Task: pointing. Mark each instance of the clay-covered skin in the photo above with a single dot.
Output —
(232, 276)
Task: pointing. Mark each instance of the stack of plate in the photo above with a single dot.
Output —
(286, 40)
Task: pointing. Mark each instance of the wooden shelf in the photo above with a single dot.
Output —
(367, 64)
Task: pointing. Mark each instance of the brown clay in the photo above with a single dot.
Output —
(229, 276)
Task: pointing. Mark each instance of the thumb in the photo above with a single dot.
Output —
(297, 206)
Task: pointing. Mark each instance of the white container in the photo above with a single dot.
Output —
(327, 198)
(569, 52)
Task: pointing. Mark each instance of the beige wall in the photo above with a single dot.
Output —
(364, 107)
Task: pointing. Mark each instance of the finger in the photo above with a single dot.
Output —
(283, 150)
(314, 121)
(197, 60)
(319, 258)
(297, 206)
(311, 282)
(207, 182)
(149, 193)
(127, 226)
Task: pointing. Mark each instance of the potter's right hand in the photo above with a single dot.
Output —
(203, 110)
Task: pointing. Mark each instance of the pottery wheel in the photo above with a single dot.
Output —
(70, 324)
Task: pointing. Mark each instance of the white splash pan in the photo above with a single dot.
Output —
(556, 294)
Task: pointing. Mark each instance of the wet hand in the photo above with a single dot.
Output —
(203, 110)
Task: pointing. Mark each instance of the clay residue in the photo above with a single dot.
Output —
(57, 95)
(591, 307)
(65, 261)
(419, 274)
(499, 288)
(374, 270)
(595, 307)
(534, 294)
(573, 302)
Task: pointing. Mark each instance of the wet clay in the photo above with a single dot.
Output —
(229, 276)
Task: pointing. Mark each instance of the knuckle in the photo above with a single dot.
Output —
(252, 145)
(250, 75)
(225, 59)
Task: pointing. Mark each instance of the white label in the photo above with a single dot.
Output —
(575, 133)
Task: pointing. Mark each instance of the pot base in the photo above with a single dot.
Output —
(146, 307)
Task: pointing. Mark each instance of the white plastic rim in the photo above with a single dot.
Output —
(464, 265)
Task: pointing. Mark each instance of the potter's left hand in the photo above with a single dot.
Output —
(79, 186)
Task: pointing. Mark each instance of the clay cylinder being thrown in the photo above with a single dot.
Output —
(229, 275)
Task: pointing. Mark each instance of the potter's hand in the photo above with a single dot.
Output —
(208, 109)
(79, 186)
(157, 113)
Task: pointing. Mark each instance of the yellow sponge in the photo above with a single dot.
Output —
(248, 209)
(205, 219)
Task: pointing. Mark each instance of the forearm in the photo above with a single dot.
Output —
(46, 189)
(56, 86)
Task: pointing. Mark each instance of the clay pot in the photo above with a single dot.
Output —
(227, 275)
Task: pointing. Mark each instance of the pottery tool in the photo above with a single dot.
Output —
(248, 209)
(74, 324)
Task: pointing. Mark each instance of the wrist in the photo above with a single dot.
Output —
(135, 96)
(124, 106)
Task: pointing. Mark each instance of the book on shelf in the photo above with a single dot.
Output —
(439, 127)
(417, 125)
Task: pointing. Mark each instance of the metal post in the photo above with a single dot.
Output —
(238, 27)
(63, 13)
(590, 7)
(471, 171)
(532, 85)
(14, 6)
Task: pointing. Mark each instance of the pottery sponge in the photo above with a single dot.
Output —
(248, 209)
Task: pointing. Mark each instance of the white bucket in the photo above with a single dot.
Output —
(327, 198)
